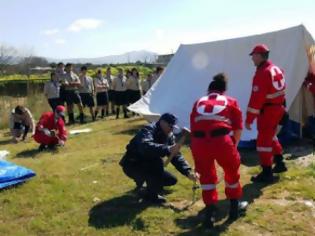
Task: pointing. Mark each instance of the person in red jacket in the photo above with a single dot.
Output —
(267, 104)
(50, 129)
(212, 119)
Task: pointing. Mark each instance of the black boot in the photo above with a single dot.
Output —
(279, 164)
(210, 215)
(236, 208)
(265, 176)
(107, 112)
(82, 118)
(52, 146)
(125, 113)
(154, 198)
(42, 147)
(139, 190)
(102, 114)
(117, 112)
(71, 119)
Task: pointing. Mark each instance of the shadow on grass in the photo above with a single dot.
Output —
(135, 119)
(5, 142)
(30, 153)
(193, 224)
(117, 211)
(292, 151)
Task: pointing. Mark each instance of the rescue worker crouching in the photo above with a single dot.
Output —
(50, 130)
(143, 160)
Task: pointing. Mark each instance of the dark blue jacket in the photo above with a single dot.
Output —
(150, 144)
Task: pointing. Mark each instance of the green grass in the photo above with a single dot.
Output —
(19, 78)
(63, 199)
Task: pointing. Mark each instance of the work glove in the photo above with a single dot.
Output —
(46, 132)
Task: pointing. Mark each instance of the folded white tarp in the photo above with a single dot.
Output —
(187, 76)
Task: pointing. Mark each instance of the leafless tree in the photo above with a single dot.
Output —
(7, 56)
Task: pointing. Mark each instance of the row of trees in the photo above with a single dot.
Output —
(13, 61)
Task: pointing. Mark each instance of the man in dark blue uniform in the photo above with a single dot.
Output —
(143, 160)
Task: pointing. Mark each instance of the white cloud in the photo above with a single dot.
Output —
(160, 33)
(84, 24)
(60, 41)
(49, 32)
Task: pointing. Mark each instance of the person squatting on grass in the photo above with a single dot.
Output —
(50, 130)
(21, 122)
(143, 160)
(212, 119)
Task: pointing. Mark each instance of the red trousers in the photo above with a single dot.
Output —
(222, 149)
(41, 138)
(267, 142)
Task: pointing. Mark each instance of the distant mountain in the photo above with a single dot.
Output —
(129, 57)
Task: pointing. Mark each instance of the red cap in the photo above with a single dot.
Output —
(60, 110)
(260, 48)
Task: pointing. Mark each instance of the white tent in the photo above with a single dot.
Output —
(187, 76)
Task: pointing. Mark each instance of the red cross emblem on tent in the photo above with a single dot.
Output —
(212, 104)
(278, 80)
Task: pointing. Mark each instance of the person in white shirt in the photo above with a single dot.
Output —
(156, 75)
(133, 87)
(72, 83)
(128, 85)
(21, 121)
(146, 84)
(119, 86)
(87, 91)
(111, 92)
(60, 74)
(52, 91)
(101, 87)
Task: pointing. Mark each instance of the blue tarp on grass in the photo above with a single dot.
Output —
(12, 174)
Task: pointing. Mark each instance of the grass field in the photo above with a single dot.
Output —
(81, 190)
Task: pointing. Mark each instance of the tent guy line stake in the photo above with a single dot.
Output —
(90, 166)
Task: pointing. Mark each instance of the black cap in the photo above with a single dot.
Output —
(169, 118)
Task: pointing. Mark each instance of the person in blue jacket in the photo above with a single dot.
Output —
(143, 160)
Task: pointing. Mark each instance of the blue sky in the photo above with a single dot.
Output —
(81, 28)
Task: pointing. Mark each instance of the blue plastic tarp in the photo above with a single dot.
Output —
(12, 174)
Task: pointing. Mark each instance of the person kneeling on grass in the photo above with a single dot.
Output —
(50, 130)
(143, 160)
(21, 122)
